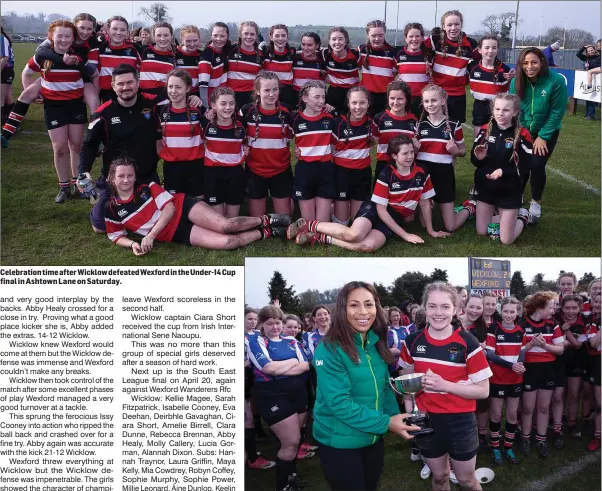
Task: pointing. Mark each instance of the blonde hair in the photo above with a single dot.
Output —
(440, 286)
(190, 29)
(435, 88)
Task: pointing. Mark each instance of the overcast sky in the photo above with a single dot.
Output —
(327, 273)
(578, 14)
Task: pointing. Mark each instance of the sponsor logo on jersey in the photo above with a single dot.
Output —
(527, 387)
(348, 132)
(218, 60)
(477, 74)
(528, 330)
(237, 55)
(151, 56)
(275, 408)
(115, 120)
(180, 61)
(303, 126)
(343, 194)
(421, 348)
(212, 199)
(298, 193)
(424, 132)
(122, 213)
(501, 337)
(146, 113)
(331, 63)
(395, 185)
(319, 363)
(500, 393)
(300, 63)
(108, 50)
(54, 123)
(491, 139)
(388, 123)
(212, 131)
(403, 58)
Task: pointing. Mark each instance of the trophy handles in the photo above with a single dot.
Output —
(393, 385)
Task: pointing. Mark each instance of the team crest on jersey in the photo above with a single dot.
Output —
(477, 74)
(543, 93)
(146, 113)
(145, 194)
(453, 353)
(326, 123)
(388, 123)
(509, 143)
(126, 52)
(418, 181)
(194, 116)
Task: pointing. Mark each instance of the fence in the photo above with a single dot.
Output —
(564, 58)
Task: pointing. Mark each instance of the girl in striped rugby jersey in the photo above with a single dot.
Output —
(158, 59)
(342, 70)
(188, 54)
(278, 58)
(213, 68)
(244, 63)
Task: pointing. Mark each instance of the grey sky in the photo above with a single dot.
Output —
(578, 14)
(326, 273)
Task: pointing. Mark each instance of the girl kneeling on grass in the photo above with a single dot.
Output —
(496, 153)
(397, 194)
(440, 142)
(504, 341)
(152, 212)
(456, 373)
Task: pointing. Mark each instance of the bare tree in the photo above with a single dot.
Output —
(156, 12)
(575, 38)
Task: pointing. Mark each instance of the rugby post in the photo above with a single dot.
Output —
(489, 275)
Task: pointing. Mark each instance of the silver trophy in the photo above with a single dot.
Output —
(411, 385)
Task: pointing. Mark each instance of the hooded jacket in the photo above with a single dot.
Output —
(543, 105)
(354, 402)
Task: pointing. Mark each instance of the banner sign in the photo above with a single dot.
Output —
(593, 94)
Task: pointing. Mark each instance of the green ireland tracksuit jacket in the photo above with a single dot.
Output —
(353, 401)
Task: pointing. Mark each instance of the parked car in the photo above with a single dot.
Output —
(41, 39)
(16, 38)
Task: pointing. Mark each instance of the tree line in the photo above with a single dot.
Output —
(407, 287)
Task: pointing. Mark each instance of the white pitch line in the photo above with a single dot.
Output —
(562, 474)
(558, 172)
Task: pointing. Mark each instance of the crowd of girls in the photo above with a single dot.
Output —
(519, 357)
(376, 94)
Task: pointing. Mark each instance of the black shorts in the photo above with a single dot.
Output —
(368, 210)
(456, 108)
(182, 234)
(278, 399)
(454, 434)
(8, 75)
(505, 193)
(502, 391)
(314, 179)
(249, 382)
(576, 367)
(278, 186)
(481, 113)
(443, 178)
(63, 113)
(224, 185)
(559, 372)
(540, 375)
(184, 177)
(337, 98)
(353, 184)
(593, 370)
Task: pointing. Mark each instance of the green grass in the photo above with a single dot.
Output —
(35, 231)
(401, 474)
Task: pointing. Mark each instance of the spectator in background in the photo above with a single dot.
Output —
(598, 45)
(591, 60)
(548, 53)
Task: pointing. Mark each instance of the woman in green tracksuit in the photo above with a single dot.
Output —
(355, 405)
(544, 97)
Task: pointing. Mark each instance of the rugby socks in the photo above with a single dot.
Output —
(250, 445)
(14, 119)
(494, 433)
(509, 432)
(558, 428)
(65, 184)
(312, 225)
(265, 221)
(284, 468)
(540, 438)
(322, 239)
(258, 427)
(266, 232)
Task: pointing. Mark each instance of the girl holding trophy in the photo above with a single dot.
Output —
(455, 374)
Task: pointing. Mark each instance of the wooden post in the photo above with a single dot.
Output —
(572, 105)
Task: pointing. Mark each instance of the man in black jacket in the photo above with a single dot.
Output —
(125, 125)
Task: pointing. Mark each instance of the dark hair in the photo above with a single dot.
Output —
(250, 310)
(394, 309)
(407, 92)
(413, 25)
(444, 35)
(215, 95)
(269, 312)
(271, 50)
(10, 43)
(575, 297)
(166, 109)
(369, 121)
(341, 334)
(119, 18)
(318, 307)
(312, 84)
(85, 16)
(124, 69)
(116, 162)
(372, 24)
(521, 79)
(343, 31)
(480, 326)
(394, 146)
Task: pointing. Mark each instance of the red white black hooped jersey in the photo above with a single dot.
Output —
(486, 83)
(592, 329)
(280, 63)
(389, 126)
(433, 140)
(381, 67)
(458, 359)
(413, 70)
(551, 333)
(500, 149)
(449, 69)
(243, 67)
(352, 140)
(154, 67)
(182, 133)
(402, 193)
(108, 57)
(189, 62)
(506, 343)
(342, 72)
(141, 212)
(268, 135)
(212, 72)
(61, 83)
(578, 328)
(313, 136)
(305, 70)
(224, 145)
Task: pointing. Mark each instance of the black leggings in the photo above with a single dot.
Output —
(537, 171)
(352, 469)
